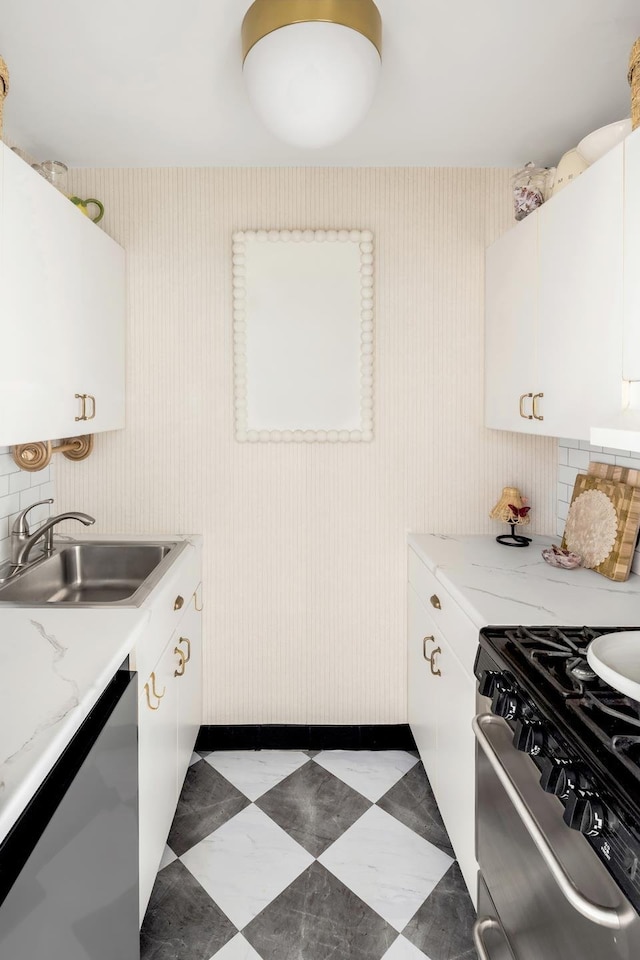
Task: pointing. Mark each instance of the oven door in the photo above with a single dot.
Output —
(553, 897)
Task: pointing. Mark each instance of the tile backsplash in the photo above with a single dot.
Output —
(18, 489)
(574, 457)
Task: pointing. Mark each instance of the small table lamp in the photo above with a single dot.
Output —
(512, 509)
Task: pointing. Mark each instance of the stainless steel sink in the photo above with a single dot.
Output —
(93, 573)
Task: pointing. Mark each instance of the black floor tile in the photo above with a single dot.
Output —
(182, 922)
(318, 918)
(412, 802)
(207, 801)
(442, 926)
(313, 806)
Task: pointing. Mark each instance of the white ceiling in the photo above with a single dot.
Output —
(159, 83)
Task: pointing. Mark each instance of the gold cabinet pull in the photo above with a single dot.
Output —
(424, 648)
(83, 397)
(526, 396)
(436, 673)
(182, 665)
(435, 602)
(195, 602)
(188, 643)
(178, 603)
(148, 693)
(159, 696)
(538, 396)
(92, 415)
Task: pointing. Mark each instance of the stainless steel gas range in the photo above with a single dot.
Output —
(558, 801)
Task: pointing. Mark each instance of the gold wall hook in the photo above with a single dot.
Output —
(153, 687)
(149, 704)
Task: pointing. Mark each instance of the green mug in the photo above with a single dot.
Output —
(84, 204)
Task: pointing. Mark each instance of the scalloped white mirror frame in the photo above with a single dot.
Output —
(267, 292)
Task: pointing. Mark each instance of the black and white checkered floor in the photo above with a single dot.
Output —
(292, 855)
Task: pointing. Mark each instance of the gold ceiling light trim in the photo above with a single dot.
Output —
(265, 16)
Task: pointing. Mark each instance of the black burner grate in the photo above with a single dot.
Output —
(560, 655)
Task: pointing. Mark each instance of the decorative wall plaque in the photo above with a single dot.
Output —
(303, 318)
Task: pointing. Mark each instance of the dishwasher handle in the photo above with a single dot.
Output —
(603, 916)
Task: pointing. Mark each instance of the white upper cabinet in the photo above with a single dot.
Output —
(580, 300)
(62, 309)
(511, 329)
(622, 429)
(631, 354)
(555, 295)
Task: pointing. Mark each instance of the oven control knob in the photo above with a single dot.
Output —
(487, 684)
(630, 864)
(505, 704)
(529, 737)
(585, 812)
(558, 777)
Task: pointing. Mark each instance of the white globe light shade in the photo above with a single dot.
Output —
(313, 82)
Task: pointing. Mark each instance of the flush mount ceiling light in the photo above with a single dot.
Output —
(311, 66)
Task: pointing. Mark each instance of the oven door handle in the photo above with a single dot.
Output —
(603, 916)
(479, 929)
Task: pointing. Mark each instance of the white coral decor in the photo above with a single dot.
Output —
(592, 527)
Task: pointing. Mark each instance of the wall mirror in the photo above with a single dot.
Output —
(303, 335)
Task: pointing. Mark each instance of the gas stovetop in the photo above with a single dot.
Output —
(552, 661)
(583, 735)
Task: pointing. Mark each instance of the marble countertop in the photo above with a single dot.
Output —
(55, 662)
(498, 585)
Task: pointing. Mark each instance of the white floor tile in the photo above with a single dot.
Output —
(254, 772)
(401, 949)
(167, 857)
(241, 949)
(246, 864)
(387, 865)
(372, 773)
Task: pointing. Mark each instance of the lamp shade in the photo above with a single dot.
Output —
(502, 511)
(313, 80)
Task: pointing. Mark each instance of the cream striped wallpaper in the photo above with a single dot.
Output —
(305, 558)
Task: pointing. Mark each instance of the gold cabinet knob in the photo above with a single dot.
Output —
(182, 663)
(178, 603)
(188, 643)
(425, 641)
(83, 398)
(435, 602)
(434, 671)
(525, 396)
(536, 414)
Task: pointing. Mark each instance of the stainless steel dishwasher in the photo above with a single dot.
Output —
(69, 867)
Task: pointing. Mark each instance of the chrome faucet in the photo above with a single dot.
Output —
(23, 541)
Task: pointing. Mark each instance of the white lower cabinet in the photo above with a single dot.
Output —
(169, 717)
(422, 684)
(441, 705)
(157, 768)
(455, 770)
(189, 640)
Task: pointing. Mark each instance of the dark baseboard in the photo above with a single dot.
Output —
(396, 736)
